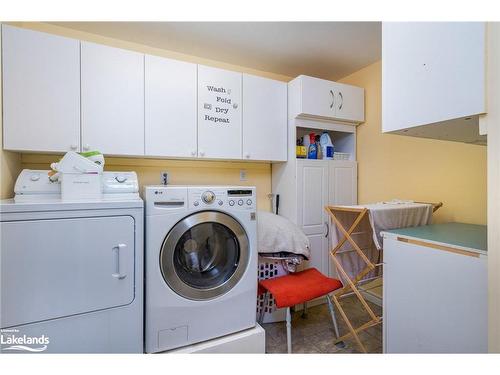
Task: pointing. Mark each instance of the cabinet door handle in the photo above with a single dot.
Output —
(193, 153)
(202, 153)
(327, 229)
(341, 100)
(86, 147)
(73, 147)
(117, 250)
(333, 99)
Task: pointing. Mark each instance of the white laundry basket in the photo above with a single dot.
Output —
(268, 269)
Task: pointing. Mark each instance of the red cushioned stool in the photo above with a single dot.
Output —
(300, 287)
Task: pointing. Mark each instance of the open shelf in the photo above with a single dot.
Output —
(344, 142)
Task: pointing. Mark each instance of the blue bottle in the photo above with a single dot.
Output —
(312, 153)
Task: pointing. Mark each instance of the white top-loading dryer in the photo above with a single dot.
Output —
(201, 263)
(72, 272)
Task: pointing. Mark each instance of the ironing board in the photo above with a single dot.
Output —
(359, 230)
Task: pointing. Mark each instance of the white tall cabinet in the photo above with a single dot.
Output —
(41, 91)
(306, 186)
(170, 108)
(112, 100)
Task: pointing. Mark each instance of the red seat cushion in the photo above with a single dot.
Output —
(300, 287)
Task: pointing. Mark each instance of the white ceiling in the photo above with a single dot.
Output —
(329, 50)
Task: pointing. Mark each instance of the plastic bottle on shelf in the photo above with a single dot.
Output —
(326, 146)
(312, 152)
(319, 154)
(306, 141)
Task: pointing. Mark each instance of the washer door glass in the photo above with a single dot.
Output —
(204, 255)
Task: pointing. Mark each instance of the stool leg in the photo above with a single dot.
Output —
(304, 311)
(334, 319)
(263, 309)
(288, 330)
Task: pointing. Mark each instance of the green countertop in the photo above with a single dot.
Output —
(455, 234)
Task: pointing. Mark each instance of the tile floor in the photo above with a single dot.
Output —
(316, 335)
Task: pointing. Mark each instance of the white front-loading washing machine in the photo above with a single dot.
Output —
(201, 263)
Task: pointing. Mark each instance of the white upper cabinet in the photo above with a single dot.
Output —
(319, 98)
(112, 100)
(41, 91)
(219, 113)
(264, 119)
(170, 108)
(350, 103)
(433, 72)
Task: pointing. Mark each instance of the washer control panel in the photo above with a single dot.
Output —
(234, 198)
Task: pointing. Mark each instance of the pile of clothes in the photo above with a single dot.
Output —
(279, 238)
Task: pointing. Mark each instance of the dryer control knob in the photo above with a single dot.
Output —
(196, 203)
(240, 202)
(208, 197)
(35, 177)
(220, 203)
(249, 202)
(231, 203)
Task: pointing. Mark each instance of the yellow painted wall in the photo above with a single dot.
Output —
(181, 171)
(394, 166)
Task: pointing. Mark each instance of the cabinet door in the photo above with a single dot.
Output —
(264, 119)
(447, 308)
(112, 100)
(312, 194)
(41, 91)
(318, 97)
(219, 113)
(343, 183)
(349, 103)
(319, 253)
(431, 72)
(170, 107)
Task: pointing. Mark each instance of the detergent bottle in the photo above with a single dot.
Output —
(312, 153)
(326, 146)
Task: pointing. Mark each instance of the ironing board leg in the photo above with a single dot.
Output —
(334, 320)
(288, 330)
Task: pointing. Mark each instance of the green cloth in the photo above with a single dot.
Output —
(455, 234)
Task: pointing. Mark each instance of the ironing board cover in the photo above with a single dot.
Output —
(394, 215)
(381, 216)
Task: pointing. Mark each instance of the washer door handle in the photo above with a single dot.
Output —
(116, 252)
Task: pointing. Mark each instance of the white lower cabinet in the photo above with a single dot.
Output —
(170, 107)
(321, 183)
(112, 82)
(435, 300)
